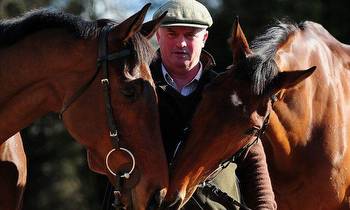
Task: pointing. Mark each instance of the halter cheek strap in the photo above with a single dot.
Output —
(102, 63)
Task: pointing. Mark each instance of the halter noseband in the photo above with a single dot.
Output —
(102, 63)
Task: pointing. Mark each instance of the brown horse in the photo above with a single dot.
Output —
(308, 135)
(48, 63)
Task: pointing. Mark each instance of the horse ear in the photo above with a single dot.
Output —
(94, 165)
(131, 25)
(238, 42)
(288, 79)
(149, 28)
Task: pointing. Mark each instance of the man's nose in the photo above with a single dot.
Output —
(181, 42)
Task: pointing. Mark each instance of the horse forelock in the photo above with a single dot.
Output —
(260, 67)
(12, 30)
(143, 54)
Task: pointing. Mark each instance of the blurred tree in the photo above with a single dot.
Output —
(58, 175)
(10, 8)
(75, 7)
(256, 15)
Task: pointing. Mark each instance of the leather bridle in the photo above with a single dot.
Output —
(102, 63)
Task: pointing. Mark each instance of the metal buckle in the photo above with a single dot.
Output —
(113, 134)
(105, 81)
(117, 193)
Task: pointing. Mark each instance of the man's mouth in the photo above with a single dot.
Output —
(180, 53)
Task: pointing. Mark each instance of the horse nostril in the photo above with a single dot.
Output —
(157, 199)
(177, 202)
(159, 196)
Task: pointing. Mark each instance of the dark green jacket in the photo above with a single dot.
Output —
(226, 181)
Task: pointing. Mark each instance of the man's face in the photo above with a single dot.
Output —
(180, 47)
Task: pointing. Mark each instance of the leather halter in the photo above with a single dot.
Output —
(102, 63)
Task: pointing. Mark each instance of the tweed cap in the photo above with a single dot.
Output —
(184, 13)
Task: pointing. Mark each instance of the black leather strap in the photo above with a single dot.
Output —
(117, 203)
(77, 94)
(103, 60)
(221, 197)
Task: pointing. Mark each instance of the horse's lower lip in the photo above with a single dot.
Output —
(156, 200)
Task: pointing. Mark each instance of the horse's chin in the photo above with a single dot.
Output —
(154, 202)
(94, 164)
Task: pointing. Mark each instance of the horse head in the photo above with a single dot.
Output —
(116, 117)
(231, 114)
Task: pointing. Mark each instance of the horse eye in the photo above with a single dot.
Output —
(251, 131)
(129, 91)
(133, 89)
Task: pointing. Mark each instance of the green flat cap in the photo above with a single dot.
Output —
(184, 13)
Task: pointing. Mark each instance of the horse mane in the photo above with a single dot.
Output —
(14, 29)
(261, 67)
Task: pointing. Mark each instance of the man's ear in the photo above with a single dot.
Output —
(157, 35)
(205, 37)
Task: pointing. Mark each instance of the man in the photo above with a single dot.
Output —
(180, 72)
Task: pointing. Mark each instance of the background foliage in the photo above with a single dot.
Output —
(58, 176)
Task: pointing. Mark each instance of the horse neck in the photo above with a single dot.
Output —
(341, 50)
(294, 117)
(36, 74)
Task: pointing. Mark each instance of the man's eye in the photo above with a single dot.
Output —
(191, 36)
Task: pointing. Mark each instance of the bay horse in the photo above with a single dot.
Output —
(308, 134)
(48, 63)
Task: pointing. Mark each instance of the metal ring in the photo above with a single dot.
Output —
(125, 175)
(105, 81)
